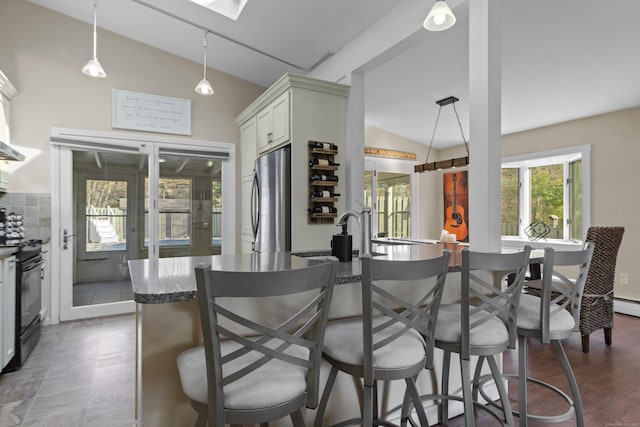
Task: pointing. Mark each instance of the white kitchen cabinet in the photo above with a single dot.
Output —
(273, 125)
(8, 303)
(248, 137)
(294, 110)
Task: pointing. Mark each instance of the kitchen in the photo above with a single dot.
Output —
(85, 103)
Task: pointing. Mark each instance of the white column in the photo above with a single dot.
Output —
(355, 148)
(484, 124)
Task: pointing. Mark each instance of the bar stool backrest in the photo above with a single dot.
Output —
(419, 314)
(305, 328)
(486, 293)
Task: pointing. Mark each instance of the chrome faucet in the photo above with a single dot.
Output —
(364, 221)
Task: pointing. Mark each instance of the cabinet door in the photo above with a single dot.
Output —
(273, 125)
(280, 124)
(263, 133)
(248, 135)
(9, 312)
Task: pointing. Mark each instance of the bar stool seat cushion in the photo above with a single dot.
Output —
(272, 384)
(529, 316)
(488, 334)
(343, 342)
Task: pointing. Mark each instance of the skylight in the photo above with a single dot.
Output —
(229, 8)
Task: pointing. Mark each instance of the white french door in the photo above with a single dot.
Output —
(124, 197)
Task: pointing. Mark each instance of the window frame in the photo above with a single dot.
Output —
(525, 161)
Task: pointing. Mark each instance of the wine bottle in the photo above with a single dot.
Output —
(324, 193)
(318, 177)
(323, 209)
(322, 162)
(323, 145)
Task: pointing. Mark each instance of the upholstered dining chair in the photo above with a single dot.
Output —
(551, 318)
(483, 324)
(386, 343)
(597, 301)
(248, 372)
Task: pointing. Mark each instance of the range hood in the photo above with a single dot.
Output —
(8, 153)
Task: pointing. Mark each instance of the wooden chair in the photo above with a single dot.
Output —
(386, 343)
(597, 301)
(552, 318)
(483, 324)
(248, 372)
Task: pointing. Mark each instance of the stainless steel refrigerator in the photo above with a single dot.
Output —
(271, 202)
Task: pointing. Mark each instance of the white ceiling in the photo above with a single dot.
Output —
(561, 59)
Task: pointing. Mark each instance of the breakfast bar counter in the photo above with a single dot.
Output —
(169, 322)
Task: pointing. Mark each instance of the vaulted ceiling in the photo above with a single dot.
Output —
(561, 59)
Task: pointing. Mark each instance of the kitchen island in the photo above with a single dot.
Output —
(169, 322)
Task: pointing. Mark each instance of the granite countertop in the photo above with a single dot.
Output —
(6, 251)
(174, 278)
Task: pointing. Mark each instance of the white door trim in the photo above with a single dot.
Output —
(62, 176)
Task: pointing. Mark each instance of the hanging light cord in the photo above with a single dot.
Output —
(466, 144)
(433, 134)
(95, 14)
(206, 33)
(460, 126)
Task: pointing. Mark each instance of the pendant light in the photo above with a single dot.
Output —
(450, 163)
(204, 87)
(93, 67)
(440, 17)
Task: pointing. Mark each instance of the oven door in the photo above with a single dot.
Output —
(30, 288)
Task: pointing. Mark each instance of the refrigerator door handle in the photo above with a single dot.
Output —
(255, 205)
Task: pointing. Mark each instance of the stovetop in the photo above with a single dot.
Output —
(26, 248)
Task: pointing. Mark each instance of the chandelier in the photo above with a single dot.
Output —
(449, 163)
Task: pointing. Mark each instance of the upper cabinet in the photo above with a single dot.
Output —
(274, 125)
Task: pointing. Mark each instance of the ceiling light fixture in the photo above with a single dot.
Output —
(93, 67)
(440, 17)
(450, 163)
(204, 87)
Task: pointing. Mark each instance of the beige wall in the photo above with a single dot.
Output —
(429, 223)
(42, 52)
(615, 145)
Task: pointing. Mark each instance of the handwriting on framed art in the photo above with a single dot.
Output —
(151, 113)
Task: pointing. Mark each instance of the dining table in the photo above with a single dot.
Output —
(168, 319)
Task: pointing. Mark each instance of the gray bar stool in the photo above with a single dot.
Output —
(551, 318)
(393, 339)
(248, 372)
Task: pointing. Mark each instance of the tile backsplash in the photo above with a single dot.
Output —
(36, 210)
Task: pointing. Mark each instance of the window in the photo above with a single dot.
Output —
(388, 185)
(544, 195)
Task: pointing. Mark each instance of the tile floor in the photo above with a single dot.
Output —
(102, 292)
(81, 373)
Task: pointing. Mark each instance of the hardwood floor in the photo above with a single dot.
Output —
(82, 374)
(608, 377)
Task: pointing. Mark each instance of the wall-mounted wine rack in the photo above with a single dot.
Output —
(323, 180)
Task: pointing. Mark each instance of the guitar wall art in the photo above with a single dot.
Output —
(456, 216)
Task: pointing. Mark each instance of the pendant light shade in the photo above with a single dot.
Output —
(204, 87)
(440, 17)
(93, 68)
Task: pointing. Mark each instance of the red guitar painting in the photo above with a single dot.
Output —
(454, 215)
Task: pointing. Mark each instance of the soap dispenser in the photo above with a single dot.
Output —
(341, 245)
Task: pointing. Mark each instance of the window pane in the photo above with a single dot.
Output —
(394, 208)
(174, 222)
(575, 200)
(510, 202)
(106, 215)
(547, 198)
